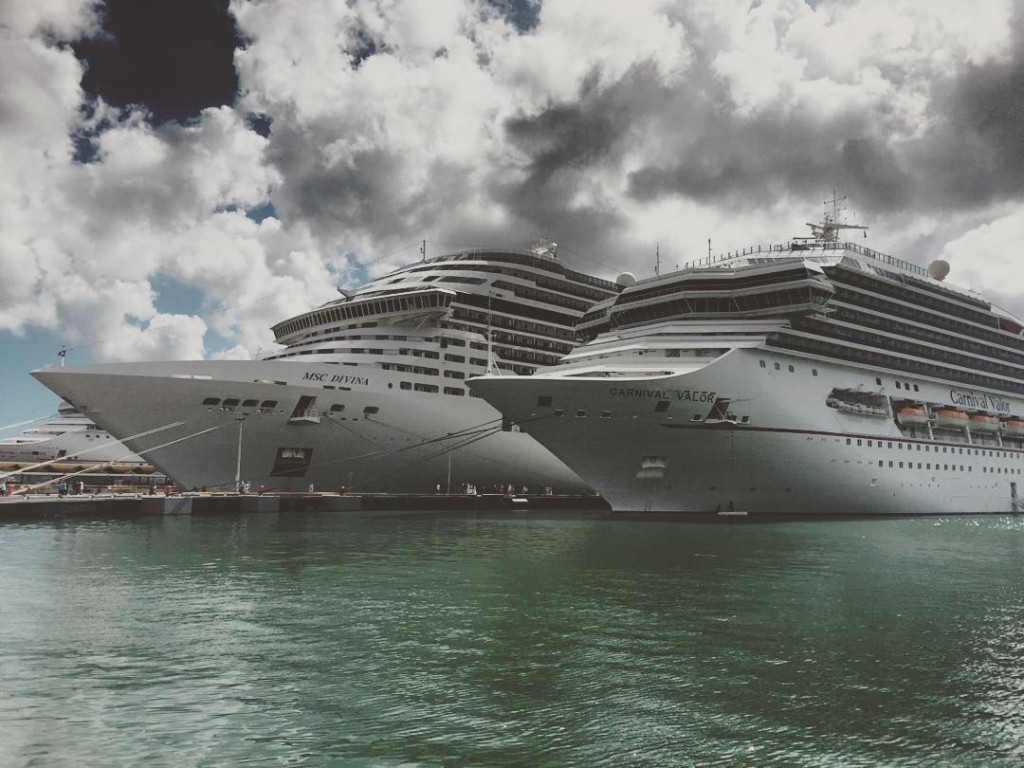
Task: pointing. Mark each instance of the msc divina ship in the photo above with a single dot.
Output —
(817, 376)
(368, 392)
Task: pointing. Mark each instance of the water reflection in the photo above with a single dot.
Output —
(495, 640)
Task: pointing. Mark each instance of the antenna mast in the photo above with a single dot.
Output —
(828, 230)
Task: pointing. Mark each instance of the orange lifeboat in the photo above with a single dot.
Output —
(982, 422)
(1013, 427)
(910, 416)
(950, 418)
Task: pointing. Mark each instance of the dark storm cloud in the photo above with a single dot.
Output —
(570, 135)
(562, 145)
(369, 193)
(172, 56)
(976, 155)
(971, 156)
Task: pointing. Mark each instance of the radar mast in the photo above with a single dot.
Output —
(828, 230)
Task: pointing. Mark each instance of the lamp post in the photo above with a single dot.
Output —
(238, 463)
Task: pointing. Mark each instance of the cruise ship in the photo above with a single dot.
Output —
(66, 436)
(368, 392)
(817, 376)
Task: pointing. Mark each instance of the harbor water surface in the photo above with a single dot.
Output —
(508, 640)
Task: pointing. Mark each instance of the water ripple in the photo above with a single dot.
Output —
(313, 639)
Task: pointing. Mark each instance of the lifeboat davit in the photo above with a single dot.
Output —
(982, 422)
(911, 416)
(1013, 427)
(950, 418)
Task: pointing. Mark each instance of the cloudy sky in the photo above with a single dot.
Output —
(178, 175)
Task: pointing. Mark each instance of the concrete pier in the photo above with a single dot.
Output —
(44, 506)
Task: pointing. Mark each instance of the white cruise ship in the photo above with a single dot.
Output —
(813, 377)
(66, 436)
(369, 391)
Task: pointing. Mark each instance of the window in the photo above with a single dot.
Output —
(581, 414)
(454, 391)
(878, 381)
(250, 403)
(791, 369)
(211, 401)
(761, 362)
(661, 406)
(337, 408)
(814, 371)
(544, 401)
(606, 414)
(370, 410)
(230, 402)
(268, 404)
(405, 385)
(778, 367)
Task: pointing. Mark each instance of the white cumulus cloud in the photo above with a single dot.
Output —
(615, 128)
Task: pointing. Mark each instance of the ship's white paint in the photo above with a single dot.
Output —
(793, 455)
(772, 380)
(404, 447)
(369, 390)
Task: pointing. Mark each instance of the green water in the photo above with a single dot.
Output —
(448, 640)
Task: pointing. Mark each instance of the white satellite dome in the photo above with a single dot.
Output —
(938, 269)
(626, 279)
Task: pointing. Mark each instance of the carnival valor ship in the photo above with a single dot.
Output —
(816, 377)
(369, 391)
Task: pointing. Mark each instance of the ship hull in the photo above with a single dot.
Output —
(362, 431)
(781, 451)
